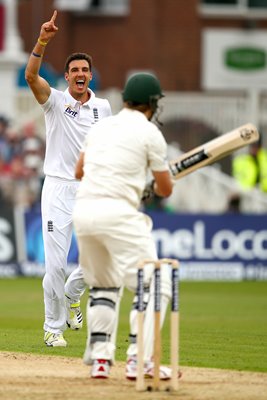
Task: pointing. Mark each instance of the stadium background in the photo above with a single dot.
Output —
(223, 317)
(176, 41)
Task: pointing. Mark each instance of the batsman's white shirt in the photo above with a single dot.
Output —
(67, 124)
(119, 152)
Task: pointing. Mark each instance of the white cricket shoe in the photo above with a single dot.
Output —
(165, 373)
(74, 315)
(131, 370)
(100, 369)
(54, 339)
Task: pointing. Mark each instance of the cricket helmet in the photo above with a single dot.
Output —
(142, 88)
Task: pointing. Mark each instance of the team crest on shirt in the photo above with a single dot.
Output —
(96, 116)
(50, 226)
(70, 111)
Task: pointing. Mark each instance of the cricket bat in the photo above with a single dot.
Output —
(214, 150)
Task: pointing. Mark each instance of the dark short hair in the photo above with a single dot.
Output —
(78, 56)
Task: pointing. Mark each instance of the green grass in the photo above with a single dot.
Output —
(222, 324)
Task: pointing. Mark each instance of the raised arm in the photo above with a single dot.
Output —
(39, 86)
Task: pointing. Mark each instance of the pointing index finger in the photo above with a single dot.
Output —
(54, 16)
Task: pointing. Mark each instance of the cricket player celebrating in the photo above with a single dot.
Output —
(69, 116)
(113, 235)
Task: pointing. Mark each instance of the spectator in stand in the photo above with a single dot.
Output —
(21, 161)
(33, 149)
(250, 170)
(14, 149)
(3, 141)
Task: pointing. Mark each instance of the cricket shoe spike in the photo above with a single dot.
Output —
(100, 369)
(74, 315)
(54, 339)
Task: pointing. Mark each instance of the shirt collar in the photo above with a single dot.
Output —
(75, 102)
(135, 113)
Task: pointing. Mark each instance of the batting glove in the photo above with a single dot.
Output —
(148, 192)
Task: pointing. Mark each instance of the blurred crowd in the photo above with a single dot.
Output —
(250, 168)
(21, 165)
(21, 169)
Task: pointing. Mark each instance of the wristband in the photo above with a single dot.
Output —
(37, 55)
(41, 42)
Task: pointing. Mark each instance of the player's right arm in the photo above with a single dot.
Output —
(157, 158)
(163, 183)
(39, 86)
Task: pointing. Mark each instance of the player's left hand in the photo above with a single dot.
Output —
(148, 192)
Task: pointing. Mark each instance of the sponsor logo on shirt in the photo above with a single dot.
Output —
(70, 111)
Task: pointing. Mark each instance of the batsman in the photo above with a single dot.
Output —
(113, 234)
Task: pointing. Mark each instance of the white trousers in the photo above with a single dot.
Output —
(112, 238)
(58, 198)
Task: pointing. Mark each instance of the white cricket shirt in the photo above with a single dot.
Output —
(67, 124)
(119, 152)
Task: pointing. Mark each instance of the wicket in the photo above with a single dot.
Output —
(174, 326)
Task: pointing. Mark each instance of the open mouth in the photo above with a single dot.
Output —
(80, 83)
